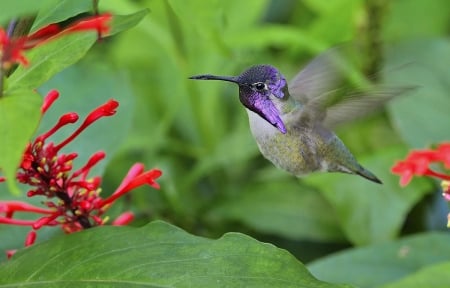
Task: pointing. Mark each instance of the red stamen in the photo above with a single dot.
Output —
(14, 206)
(100, 155)
(3, 37)
(42, 35)
(31, 237)
(84, 184)
(85, 205)
(49, 99)
(10, 253)
(123, 219)
(99, 23)
(10, 221)
(133, 172)
(144, 178)
(437, 175)
(27, 160)
(44, 221)
(12, 48)
(107, 109)
(444, 154)
(64, 120)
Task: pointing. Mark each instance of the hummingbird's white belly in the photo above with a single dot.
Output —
(294, 151)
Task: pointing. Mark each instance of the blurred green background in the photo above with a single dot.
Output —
(214, 178)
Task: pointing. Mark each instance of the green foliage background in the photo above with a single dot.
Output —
(214, 179)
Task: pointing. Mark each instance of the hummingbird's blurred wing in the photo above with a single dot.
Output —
(321, 75)
(318, 88)
(357, 105)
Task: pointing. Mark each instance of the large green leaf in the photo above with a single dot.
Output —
(282, 207)
(434, 276)
(19, 117)
(420, 117)
(387, 262)
(369, 212)
(51, 58)
(60, 10)
(156, 255)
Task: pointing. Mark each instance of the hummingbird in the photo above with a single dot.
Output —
(293, 124)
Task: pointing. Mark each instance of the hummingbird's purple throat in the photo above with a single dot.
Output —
(267, 110)
(256, 85)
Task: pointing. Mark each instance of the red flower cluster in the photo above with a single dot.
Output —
(418, 162)
(11, 49)
(73, 199)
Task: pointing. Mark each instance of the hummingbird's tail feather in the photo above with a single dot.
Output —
(368, 175)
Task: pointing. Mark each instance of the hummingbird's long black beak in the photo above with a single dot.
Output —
(214, 77)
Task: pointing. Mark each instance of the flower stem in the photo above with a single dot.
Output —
(375, 10)
(438, 175)
(83, 220)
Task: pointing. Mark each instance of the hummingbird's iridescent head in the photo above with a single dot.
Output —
(258, 86)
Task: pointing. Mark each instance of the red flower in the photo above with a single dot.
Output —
(98, 23)
(9, 207)
(415, 164)
(123, 219)
(107, 109)
(12, 49)
(49, 99)
(136, 177)
(31, 237)
(418, 162)
(443, 154)
(73, 199)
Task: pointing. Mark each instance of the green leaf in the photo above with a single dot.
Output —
(51, 58)
(60, 10)
(282, 207)
(156, 255)
(369, 212)
(383, 263)
(124, 22)
(428, 67)
(19, 117)
(435, 276)
(13, 9)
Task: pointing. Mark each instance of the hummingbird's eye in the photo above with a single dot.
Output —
(260, 86)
